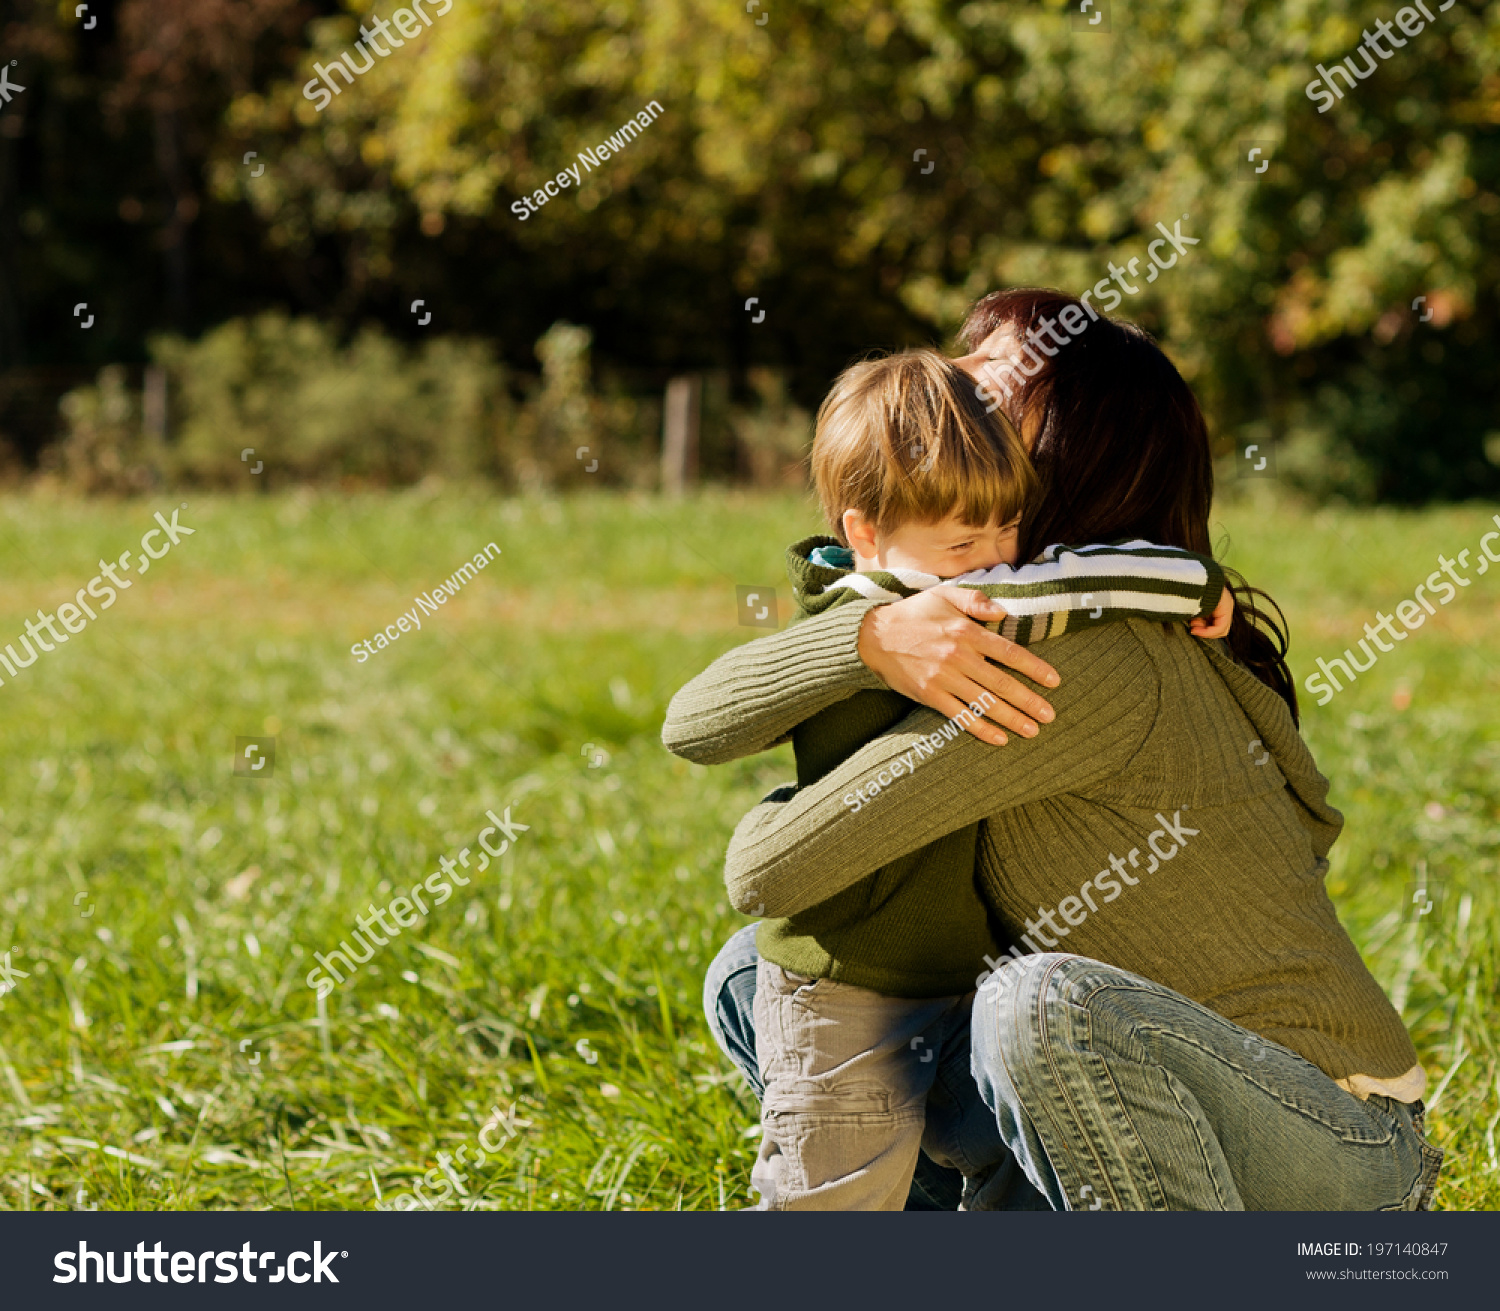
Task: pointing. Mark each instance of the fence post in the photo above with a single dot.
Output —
(154, 403)
(679, 437)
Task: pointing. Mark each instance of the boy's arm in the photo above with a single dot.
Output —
(1075, 587)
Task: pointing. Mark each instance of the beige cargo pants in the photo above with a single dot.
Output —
(847, 1072)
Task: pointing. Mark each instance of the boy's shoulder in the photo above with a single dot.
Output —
(822, 574)
(818, 559)
(811, 573)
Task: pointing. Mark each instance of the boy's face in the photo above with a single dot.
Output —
(946, 549)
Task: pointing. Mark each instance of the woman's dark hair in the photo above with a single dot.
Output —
(1119, 443)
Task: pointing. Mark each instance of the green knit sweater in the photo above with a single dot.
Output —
(1156, 734)
(913, 927)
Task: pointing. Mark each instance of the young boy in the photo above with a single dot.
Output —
(857, 998)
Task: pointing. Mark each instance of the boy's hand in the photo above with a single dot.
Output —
(926, 648)
(1218, 626)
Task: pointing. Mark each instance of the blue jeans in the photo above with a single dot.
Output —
(1115, 1092)
(1112, 1091)
(959, 1126)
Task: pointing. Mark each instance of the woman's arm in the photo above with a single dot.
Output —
(925, 648)
(752, 697)
(925, 779)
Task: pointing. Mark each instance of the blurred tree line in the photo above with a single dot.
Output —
(863, 168)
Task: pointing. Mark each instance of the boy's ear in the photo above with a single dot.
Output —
(860, 534)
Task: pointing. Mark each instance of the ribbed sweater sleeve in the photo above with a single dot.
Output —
(752, 697)
(1151, 581)
(795, 852)
(1073, 587)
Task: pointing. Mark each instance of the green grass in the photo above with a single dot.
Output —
(210, 892)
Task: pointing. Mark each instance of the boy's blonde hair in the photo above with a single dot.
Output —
(904, 439)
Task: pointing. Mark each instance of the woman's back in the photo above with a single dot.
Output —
(1185, 841)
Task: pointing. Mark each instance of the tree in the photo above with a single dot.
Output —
(864, 168)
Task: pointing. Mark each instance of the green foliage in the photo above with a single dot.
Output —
(784, 167)
(863, 167)
(776, 436)
(105, 450)
(377, 413)
(567, 434)
(204, 894)
(372, 410)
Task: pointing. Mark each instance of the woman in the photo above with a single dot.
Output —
(1185, 1025)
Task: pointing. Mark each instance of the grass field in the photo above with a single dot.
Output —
(163, 1050)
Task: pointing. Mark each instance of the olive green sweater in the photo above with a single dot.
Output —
(1151, 725)
(913, 927)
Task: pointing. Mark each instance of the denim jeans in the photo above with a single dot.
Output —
(1112, 1091)
(1117, 1093)
(958, 1126)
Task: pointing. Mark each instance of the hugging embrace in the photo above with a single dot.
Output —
(1087, 964)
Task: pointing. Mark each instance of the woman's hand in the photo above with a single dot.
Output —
(1218, 626)
(928, 649)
